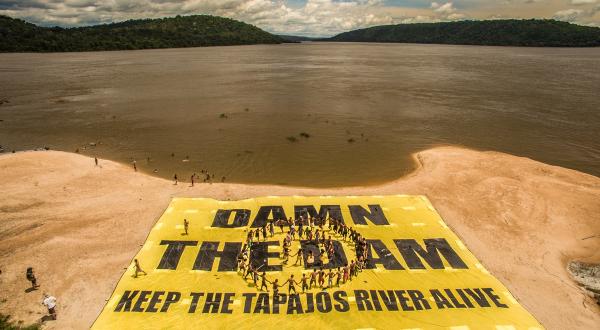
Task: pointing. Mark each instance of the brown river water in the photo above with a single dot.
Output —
(365, 107)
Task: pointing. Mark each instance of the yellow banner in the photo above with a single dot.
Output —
(356, 262)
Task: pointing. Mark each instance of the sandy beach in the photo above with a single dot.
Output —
(79, 225)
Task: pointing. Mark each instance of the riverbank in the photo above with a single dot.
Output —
(79, 225)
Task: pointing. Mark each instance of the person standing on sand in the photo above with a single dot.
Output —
(192, 179)
(134, 166)
(96, 161)
(175, 178)
(50, 303)
(186, 225)
(138, 268)
(31, 278)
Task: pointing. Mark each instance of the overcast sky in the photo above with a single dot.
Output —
(301, 17)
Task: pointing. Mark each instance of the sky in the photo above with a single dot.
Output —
(301, 17)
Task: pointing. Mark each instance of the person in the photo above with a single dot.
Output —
(322, 257)
(249, 270)
(272, 228)
(299, 256)
(330, 279)
(137, 268)
(338, 277)
(264, 232)
(313, 279)
(241, 262)
(291, 284)
(192, 179)
(300, 229)
(281, 223)
(50, 303)
(96, 160)
(276, 287)
(286, 254)
(134, 166)
(255, 276)
(310, 259)
(175, 178)
(263, 283)
(186, 225)
(304, 282)
(31, 278)
(321, 277)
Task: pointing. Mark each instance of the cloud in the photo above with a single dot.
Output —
(582, 2)
(581, 16)
(302, 17)
(446, 8)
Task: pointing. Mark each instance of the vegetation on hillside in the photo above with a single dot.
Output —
(531, 32)
(181, 31)
(7, 324)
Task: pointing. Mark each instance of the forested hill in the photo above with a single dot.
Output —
(544, 33)
(181, 31)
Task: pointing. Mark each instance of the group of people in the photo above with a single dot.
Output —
(48, 300)
(206, 177)
(312, 230)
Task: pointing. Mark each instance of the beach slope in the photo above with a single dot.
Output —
(79, 225)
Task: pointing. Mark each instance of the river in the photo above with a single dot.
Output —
(239, 112)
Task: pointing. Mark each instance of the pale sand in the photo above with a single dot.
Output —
(79, 225)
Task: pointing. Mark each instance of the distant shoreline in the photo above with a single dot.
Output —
(18, 36)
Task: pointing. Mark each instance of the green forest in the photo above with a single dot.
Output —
(182, 31)
(203, 30)
(533, 32)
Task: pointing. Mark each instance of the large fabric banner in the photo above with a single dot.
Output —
(354, 262)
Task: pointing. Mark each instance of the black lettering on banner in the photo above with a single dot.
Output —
(212, 303)
(172, 297)
(153, 301)
(375, 299)
(262, 304)
(262, 216)
(325, 211)
(389, 300)
(464, 298)
(173, 253)
(323, 302)
(418, 299)
(409, 248)
(209, 251)
(126, 300)
(340, 298)
(403, 300)
(259, 256)
(294, 305)
(248, 297)
(478, 296)
(338, 260)
(310, 303)
(494, 297)
(440, 300)
(195, 299)
(142, 299)
(278, 299)
(240, 219)
(384, 256)
(455, 301)
(375, 215)
(362, 300)
(227, 300)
